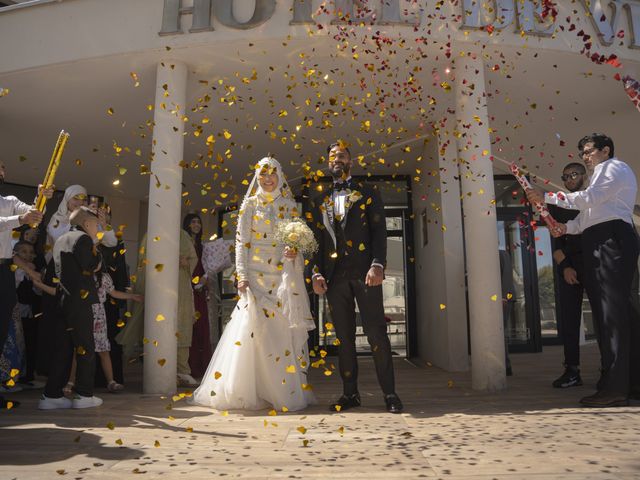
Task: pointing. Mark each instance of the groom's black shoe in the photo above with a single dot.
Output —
(345, 402)
(394, 405)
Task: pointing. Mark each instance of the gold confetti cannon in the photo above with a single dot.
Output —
(50, 176)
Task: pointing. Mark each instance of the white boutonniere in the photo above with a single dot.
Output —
(354, 196)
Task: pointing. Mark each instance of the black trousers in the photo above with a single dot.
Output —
(8, 299)
(570, 298)
(611, 255)
(30, 328)
(342, 294)
(73, 331)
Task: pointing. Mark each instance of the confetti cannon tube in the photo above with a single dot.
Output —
(50, 176)
(540, 207)
(632, 87)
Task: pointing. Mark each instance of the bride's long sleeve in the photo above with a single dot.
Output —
(243, 239)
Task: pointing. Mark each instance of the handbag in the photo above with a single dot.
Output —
(216, 255)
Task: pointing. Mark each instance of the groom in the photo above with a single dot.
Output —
(349, 223)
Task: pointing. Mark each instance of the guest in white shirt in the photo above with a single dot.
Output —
(610, 246)
(13, 213)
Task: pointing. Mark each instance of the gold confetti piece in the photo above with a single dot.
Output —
(9, 405)
(195, 280)
(442, 306)
(14, 372)
(306, 386)
(120, 324)
(217, 375)
(291, 369)
(341, 430)
(450, 384)
(111, 426)
(328, 373)
(61, 472)
(225, 413)
(509, 296)
(128, 314)
(285, 409)
(272, 413)
(119, 441)
(80, 350)
(302, 430)
(162, 361)
(159, 267)
(99, 235)
(305, 442)
(494, 297)
(156, 443)
(13, 267)
(338, 408)
(110, 111)
(226, 134)
(10, 382)
(160, 317)
(84, 294)
(238, 343)
(189, 429)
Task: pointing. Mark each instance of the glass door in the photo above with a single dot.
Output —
(519, 275)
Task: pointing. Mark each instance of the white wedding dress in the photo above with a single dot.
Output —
(262, 358)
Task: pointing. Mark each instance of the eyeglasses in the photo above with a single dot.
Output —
(572, 176)
(587, 153)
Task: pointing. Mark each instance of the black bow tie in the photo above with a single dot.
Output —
(337, 186)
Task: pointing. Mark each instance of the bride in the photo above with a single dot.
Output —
(262, 357)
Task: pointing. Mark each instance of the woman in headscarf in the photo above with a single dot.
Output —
(200, 352)
(75, 196)
(262, 357)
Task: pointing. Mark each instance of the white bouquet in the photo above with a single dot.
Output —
(296, 234)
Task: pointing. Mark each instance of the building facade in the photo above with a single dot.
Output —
(169, 103)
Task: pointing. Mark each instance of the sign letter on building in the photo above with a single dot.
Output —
(201, 12)
(301, 12)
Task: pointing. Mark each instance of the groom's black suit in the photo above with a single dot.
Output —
(348, 248)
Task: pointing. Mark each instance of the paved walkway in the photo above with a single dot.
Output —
(531, 431)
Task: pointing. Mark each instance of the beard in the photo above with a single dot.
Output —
(339, 173)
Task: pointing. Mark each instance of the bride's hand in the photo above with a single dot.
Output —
(242, 286)
(290, 253)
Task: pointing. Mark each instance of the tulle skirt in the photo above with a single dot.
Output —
(261, 360)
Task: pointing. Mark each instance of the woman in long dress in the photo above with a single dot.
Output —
(200, 351)
(262, 357)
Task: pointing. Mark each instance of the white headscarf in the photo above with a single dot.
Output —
(282, 189)
(61, 217)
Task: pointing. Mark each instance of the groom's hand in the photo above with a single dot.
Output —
(375, 275)
(319, 285)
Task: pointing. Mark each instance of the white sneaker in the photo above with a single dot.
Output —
(186, 380)
(86, 402)
(47, 403)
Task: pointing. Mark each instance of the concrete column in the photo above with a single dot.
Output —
(481, 236)
(163, 232)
